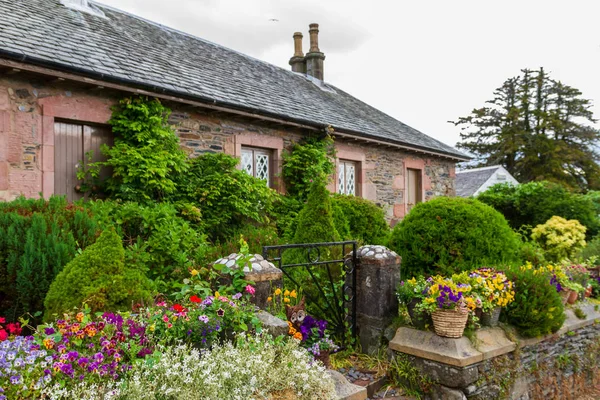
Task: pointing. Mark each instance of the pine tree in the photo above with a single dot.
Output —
(538, 129)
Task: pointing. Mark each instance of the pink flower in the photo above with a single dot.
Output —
(3, 335)
(250, 289)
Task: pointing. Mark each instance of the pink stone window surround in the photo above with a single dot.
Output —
(349, 156)
(271, 144)
(77, 110)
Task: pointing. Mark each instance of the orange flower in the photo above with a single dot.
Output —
(298, 335)
(80, 316)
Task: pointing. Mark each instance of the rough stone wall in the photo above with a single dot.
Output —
(30, 103)
(557, 368)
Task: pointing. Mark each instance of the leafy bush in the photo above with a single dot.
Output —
(559, 238)
(98, 277)
(537, 309)
(592, 249)
(340, 221)
(309, 161)
(156, 238)
(446, 235)
(534, 203)
(228, 198)
(37, 238)
(366, 220)
(256, 367)
(286, 210)
(146, 156)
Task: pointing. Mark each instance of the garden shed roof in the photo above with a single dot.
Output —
(471, 182)
(113, 45)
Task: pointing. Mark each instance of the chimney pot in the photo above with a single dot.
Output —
(298, 44)
(297, 61)
(314, 38)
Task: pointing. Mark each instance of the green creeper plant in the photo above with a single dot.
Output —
(146, 155)
(99, 278)
(309, 161)
(447, 235)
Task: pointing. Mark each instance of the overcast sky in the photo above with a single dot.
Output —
(423, 62)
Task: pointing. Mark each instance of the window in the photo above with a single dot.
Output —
(257, 162)
(414, 193)
(347, 177)
(71, 143)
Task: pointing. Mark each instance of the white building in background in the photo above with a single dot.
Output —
(471, 182)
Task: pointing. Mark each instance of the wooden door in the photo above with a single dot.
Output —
(71, 143)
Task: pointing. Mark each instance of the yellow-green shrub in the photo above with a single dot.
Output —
(560, 238)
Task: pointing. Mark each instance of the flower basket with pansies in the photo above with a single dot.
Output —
(449, 304)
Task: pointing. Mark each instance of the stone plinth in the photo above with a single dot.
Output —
(265, 275)
(377, 276)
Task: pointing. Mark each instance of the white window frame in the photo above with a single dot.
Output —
(346, 169)
(255, 154)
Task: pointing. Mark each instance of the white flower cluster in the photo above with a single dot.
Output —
(255, 368)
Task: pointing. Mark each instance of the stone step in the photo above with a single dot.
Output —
(345, 390)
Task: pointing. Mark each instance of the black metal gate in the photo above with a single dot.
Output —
(325, 273)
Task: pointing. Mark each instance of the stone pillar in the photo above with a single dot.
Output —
(315, 58)
(265, 275)
(297, 61)
(377, 276)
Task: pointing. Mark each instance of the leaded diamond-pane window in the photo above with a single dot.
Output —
(257, 162)
(347, 177)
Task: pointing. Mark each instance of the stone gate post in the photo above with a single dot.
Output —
(377, 276)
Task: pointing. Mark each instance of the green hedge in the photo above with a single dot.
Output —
(366, 220)
(448, 235)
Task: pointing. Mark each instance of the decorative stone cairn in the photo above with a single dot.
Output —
(377, 276)
(264, 274)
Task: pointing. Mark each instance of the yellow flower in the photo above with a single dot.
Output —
(217, 294)
(294, 294)
(152, 327)
(286, 293)
(194, 272)
(277, 292)
(286, 300)
(269, 299)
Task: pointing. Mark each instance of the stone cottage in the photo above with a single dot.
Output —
(63, 63)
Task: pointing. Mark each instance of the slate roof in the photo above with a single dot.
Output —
(128, 49)
(467, 182)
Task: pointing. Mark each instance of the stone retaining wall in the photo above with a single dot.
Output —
(500, 365)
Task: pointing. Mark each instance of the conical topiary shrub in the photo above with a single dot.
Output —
(99, 278)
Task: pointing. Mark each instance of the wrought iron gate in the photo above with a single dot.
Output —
(325, 273)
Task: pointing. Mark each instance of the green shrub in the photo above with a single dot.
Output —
(592, 249)
(100, 278)
(366, 220)
(448, 235)
(340, 221)
(534, 203)
(286, 210)
(537, 309)
(315, 220)
(146, 157)
(309, 161)
(37, 239)
(227, 197)
(155, 236)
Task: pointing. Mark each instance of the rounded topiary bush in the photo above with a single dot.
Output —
(100, 278)
(447, 235)
(537, 309)
(366, 219)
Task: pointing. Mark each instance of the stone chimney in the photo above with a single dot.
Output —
(314, 58)
(312, 63)
(297, 60)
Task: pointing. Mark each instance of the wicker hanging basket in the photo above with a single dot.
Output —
(450, 323)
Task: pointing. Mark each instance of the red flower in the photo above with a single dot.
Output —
(195, 299)
(2, 320)
(178, 307)
(3, 335)
(14, 329)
